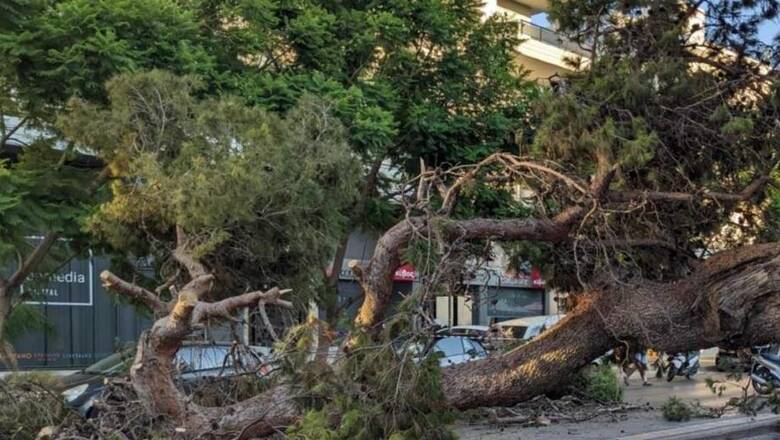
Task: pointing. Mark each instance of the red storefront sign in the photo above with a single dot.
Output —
(405, 272)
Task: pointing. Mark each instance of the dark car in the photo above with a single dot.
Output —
(194, 362)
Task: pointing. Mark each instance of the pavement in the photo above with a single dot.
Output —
(646, 421)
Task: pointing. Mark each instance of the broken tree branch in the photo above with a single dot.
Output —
(134, 292)
(32, 260)
(672, 196)
(224, 309)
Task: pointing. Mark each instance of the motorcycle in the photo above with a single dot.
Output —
(765, 371)
(683, 364)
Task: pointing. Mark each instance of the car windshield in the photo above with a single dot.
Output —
(474, 347)
(451, 346)
(111, 363)
(210, 357)
(517, 332)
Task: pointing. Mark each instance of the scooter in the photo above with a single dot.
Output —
(683, 364)
(765, 372)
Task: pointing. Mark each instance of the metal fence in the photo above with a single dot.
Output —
(83, 323)
(551, 37)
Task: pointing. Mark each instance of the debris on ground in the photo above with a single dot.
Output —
(543, 411)
(28, 404)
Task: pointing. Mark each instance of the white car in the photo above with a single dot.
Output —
(471, 331)
(457, 350)
(529, 327)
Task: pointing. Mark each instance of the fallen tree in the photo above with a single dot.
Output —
(640, 167)
(728, 300)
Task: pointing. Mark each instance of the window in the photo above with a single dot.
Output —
(451, 346)
(206, 357)
(477, 348)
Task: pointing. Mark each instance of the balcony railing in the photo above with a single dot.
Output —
(551, 37)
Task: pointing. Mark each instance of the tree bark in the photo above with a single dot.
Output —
(152, 372)
(7, 353)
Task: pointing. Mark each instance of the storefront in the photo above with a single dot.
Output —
(495, 297)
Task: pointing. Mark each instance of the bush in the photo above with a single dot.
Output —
(29, 402)
(675, 410)
(42, 379)
(599, 383)
(380, 391)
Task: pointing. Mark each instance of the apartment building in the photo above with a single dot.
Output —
(543, 52)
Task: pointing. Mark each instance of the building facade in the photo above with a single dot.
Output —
(543, 52)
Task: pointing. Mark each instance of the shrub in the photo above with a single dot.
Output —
(380, 391)
(29, 402)
(675, 410)
(599, 383)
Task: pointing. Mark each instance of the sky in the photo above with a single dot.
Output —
(767, 32)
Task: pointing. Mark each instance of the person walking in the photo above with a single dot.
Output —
(632, 359)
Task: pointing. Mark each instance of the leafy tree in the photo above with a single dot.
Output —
(407, 79)
(675, 99)
(54, 50)
(44, 195)
(411, 80)
(260, 197)
(71, 48)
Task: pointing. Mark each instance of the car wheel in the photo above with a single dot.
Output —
(91, 413)
(760, 388)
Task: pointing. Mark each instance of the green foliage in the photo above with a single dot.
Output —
(12, 12)
(73, 47)
(382, 390)
(35, 378)
(262, 195)
(39, 194)
(23, 319)
(410, 79)
(599, 383)
(667, 123)
(676, 410)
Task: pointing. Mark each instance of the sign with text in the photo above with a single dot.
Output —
(72, 285)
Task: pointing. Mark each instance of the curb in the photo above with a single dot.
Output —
(764, 423)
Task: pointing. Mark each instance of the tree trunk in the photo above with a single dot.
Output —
(332, 306)
(7, 352)
(732, 300)
(152, 377)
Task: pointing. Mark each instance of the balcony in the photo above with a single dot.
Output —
(552, 38)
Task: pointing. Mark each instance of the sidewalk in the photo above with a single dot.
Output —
(640, 425)
(618, 425)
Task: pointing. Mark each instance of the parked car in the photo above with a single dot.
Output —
(480, 333)
(471, 331)
(194, 362)
(457, 350)
(528, 327)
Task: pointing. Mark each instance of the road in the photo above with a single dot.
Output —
(636, 422)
